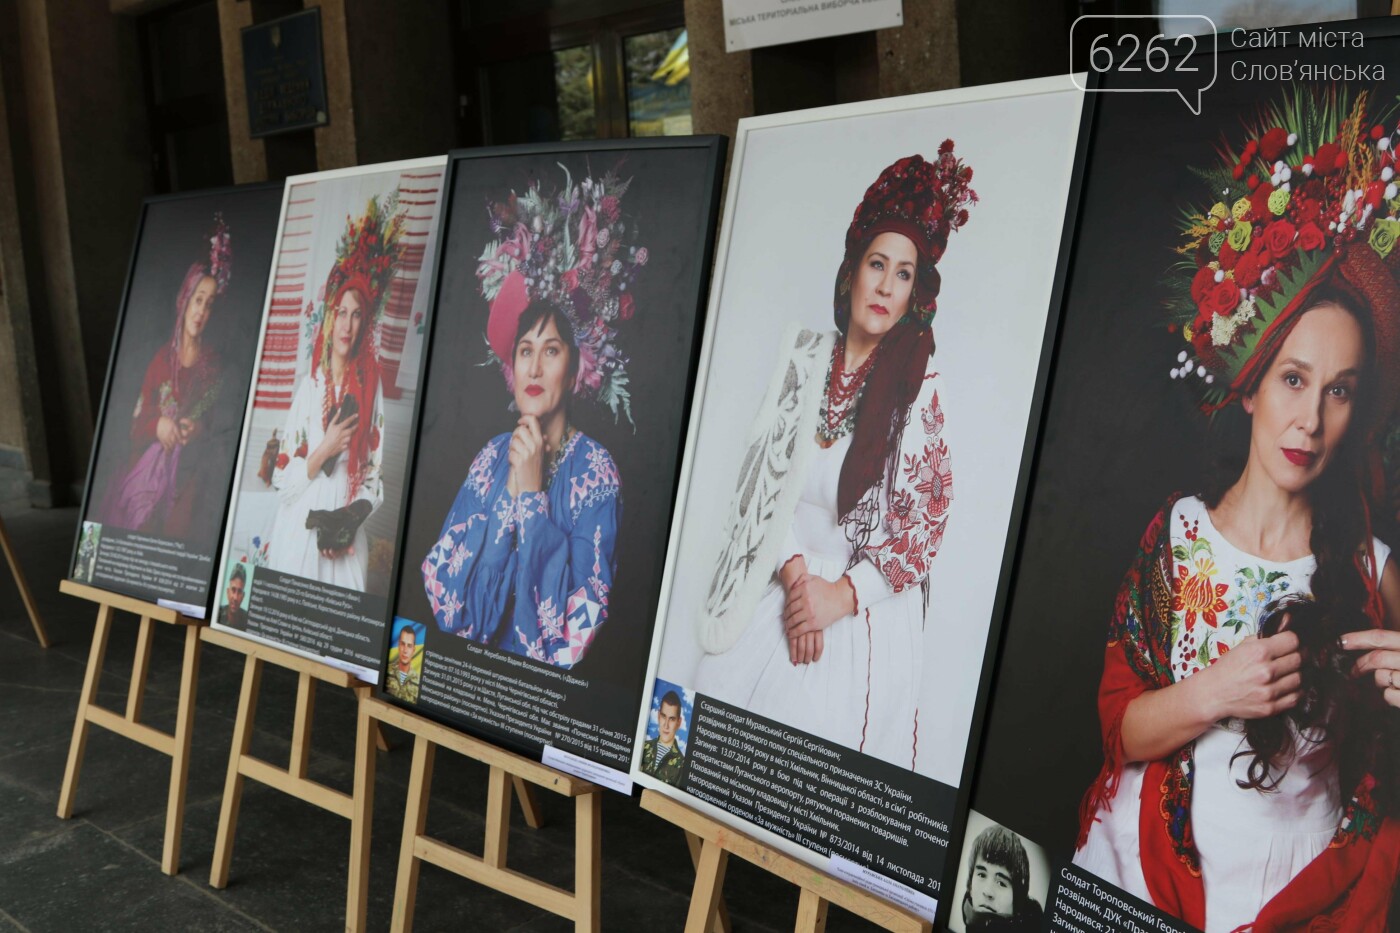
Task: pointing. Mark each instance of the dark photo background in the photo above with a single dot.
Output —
(1119, 436)
(174, 234)
(465, 404)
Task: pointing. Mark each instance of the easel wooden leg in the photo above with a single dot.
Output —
(361, 818)
(380, 741)
(811, 912)
(415, 821)
(180, 759)
(711, 843)
(23, 584)
(498, 796)
(509, 775)
(301, 725)
(588, 862)
(136, 692)
(529, 803)
(709, 882)
(233, 783)
(721, 923)
(87, 698)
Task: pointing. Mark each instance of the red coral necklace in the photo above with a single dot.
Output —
(843, 392)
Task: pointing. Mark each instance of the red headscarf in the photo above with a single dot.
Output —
(923, 201)
(361, 376)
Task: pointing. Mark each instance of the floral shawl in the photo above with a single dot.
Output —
(1348, 887)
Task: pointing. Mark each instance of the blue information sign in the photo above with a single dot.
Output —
(283, 71)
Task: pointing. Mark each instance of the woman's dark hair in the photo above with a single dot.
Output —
(890, 388)
(533, 319)
(1331, 702)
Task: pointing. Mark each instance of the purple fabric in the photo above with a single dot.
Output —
(147, 488)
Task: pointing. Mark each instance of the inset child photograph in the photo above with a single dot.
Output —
(1003, 880)
(663, 752)
(405, 670)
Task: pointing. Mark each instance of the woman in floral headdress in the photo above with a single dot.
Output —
(1250, 775)
(329, 465)
(815, 613)
(527, 555)
(177, 437)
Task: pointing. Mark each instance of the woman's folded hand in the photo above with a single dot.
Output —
(814, 603)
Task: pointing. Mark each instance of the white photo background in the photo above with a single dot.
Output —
(799, 184)
(315, 219)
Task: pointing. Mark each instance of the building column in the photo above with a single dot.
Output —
(721, 83)
(335, 142)
(19, 373)
(66, 399)
(921, 55)
(249, 155)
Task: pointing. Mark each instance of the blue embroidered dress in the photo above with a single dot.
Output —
(529, 574)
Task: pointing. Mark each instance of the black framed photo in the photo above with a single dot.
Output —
(1193, 714)
(567, 320)
(182, 362)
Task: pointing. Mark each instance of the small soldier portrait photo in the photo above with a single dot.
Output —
(86, 561)
(233, 610)
(663, 752)
(405, 661)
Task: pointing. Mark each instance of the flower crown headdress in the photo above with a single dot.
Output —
(220, 255)
(925, 201)
(573, 249)
(366, 258)
(1308, 197)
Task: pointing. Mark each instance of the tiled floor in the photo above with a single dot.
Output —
(101, 869)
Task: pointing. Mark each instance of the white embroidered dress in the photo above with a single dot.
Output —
(863, 693)
(294, 548)
(1251, 844)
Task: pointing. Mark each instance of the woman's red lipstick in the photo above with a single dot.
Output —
(534, 390)
(879, 309)
(1302, 458)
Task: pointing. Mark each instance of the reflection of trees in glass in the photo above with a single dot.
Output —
(573, 91)
(658, 83)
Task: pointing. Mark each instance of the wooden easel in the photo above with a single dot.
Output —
(508, 771)
(23, 585)
(291, 780)
(716, 842)
(177, 746)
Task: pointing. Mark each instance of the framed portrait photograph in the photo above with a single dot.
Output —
(309, 547)
(567, 320)
(1194, 711)
(182, 362)
(876, 328)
